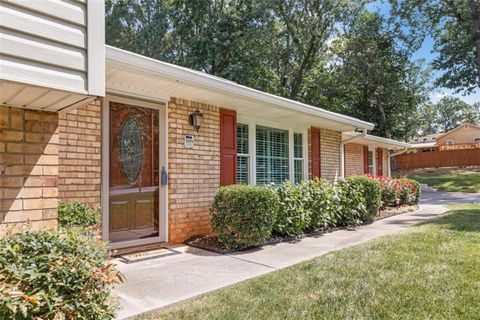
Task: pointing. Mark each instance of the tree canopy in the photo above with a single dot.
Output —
(333, 54)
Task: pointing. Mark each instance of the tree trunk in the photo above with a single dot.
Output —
(475, 8)
(383, 116)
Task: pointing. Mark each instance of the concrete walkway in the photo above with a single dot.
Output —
(154, 284)
(443, 197)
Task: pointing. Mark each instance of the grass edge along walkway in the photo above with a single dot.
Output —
(464, 182)
(432, 270)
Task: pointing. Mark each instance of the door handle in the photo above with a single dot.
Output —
(164, 177)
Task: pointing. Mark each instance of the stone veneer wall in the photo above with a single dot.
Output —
(354, 162)
(28, 169)
(194, 174)
(80, 164)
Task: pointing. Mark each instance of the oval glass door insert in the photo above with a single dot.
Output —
(131, 150)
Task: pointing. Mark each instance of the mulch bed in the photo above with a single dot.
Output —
(393, 211)
(211, 243)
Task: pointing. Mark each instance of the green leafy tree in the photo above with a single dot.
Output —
(455, 27)
(451, 112)
(376, 78)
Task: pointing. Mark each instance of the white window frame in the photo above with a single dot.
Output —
(246, 155)
(374, 159)
(252, 145)
(304, 174)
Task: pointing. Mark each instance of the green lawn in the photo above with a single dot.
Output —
(468, 182)
(431, 271)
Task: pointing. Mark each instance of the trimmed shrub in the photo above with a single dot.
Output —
(372, 192)
(294, 214)
(76, 214)
(349, 203)
(243, 216)
(410, 191)
(319, 202)
(56, 275)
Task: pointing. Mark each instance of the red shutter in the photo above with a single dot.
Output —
(379, 162)
(315, 156)
(228, 147)
(365, 159)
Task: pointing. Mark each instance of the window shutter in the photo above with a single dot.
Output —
(365, 159)
(228, 147)
(316, 159)
(379, 162)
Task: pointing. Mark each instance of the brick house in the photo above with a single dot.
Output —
(147, 142)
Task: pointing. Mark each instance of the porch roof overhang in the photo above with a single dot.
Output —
(377, 142)
(131, 74)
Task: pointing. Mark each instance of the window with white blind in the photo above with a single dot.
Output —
(272, 162)
(243, 156)
(297, 158)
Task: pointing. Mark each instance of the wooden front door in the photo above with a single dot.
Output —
(134, 172)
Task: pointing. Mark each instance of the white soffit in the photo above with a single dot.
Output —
(135, 75)
(22, 95)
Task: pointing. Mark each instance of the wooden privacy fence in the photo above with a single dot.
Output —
(437, 159)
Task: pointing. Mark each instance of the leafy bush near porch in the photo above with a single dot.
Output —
(372, 192)
(349, 203)
(77, 214)
(243, 216)
(294, 212)
(56, 275)
(320, 203)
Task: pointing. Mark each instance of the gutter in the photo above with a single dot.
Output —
(390, 155)
(342, 150)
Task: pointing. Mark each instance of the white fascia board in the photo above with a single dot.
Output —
(391, 142)
(423, 145)
(379, 140)
(145, 65)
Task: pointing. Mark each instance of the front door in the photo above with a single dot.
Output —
(134, 172)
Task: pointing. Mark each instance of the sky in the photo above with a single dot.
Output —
(425, 52)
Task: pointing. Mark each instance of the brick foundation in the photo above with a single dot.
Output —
(194, 174)
(28, 169)
(79, 168)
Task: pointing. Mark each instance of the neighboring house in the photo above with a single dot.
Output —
(146, 141)
(459, 147)
(465, 136)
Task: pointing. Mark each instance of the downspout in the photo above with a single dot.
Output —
(342, 150)
(390, 155)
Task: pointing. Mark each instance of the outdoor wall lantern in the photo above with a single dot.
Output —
(195, 119)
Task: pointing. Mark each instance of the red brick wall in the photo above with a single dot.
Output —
(194, 174)
(28, 169)
(80, 155)
(354, 162)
